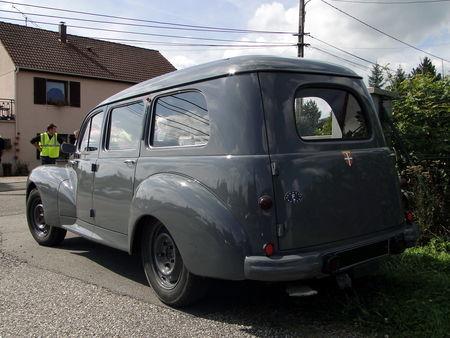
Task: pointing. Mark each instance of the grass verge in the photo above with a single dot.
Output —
(408, 297)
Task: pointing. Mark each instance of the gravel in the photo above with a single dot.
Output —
(42, 303)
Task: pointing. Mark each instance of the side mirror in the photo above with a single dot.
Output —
(68, 148)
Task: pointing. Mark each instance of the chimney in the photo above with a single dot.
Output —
(62, 32)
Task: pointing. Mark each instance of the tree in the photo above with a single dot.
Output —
(324, 126)
(396, 79)
(308, 118)
(426, 68)
(376, 79)
(422, 115)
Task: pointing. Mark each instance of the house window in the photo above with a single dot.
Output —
(54, 92)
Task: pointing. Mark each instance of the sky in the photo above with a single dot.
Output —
(338, 30)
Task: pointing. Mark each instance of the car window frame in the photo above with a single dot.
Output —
(86, 122)
(150, 125)
(107, 125)
(108, 121)
(355, 95)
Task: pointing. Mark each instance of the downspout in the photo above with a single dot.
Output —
(16, 124)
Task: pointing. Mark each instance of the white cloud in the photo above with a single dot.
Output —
(181, 61)
(426, 26)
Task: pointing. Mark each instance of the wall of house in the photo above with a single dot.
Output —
(7, 85)
(7, 69)
(34, 118)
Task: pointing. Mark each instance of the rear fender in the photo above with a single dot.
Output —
(211, 241)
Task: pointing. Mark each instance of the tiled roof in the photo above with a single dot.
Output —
(41, 50)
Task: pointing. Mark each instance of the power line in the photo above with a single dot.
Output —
(391, 2)
(175, 44)
(341, 50)
(202, 28)
(115, 22)
(341, 58)
(380, 31)
(180, 44)
(280, 44)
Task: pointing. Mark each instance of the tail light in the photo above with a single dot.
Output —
(409, 217)
(268, 249)
(331, 264)
(265, 202)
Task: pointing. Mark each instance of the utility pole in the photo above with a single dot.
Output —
(301, 29)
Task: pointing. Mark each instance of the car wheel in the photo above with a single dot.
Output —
(165, 270)
(43, 233)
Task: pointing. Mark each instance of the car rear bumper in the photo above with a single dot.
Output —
(329, 260)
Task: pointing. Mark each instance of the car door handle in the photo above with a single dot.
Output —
(73, 163)
(130, 162)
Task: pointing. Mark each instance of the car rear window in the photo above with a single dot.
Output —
(329, 114)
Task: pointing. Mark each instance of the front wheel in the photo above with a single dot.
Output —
(165, 270)
(42, 232)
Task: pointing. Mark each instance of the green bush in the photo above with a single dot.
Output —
(421, 116)
(429, 183)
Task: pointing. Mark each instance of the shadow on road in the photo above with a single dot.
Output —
(112, 259)
(12, 186)
(257, 306)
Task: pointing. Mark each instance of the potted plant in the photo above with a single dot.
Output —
(7, 169)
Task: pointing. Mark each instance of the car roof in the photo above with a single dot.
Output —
(230, 67)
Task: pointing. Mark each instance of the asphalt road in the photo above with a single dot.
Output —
(86, 289)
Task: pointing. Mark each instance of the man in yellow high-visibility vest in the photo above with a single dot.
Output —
(48, 145)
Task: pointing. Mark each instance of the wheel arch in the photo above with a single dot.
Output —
(136, 234)
(210, 239)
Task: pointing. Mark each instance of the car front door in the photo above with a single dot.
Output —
(113, 185)
(84, 163)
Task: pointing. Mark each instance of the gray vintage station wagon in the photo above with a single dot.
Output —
(258, 168)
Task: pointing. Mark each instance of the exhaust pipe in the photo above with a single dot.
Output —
(300, 290)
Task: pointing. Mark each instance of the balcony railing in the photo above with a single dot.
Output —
(7, 111)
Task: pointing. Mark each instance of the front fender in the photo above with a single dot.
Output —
(211, 241)
(56, 187)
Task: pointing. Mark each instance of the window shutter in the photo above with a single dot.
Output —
(40, 96)
(74, 94)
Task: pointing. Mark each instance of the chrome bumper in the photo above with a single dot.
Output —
(307, 265)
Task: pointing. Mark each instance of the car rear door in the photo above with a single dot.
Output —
(333, 177)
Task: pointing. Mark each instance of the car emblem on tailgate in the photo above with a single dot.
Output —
(348, 157)
(293, 197)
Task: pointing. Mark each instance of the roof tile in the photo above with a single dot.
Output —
(41, 50)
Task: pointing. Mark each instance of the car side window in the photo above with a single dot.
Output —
(181, 119)
(125, 127)
(329, 114)
(90, 139)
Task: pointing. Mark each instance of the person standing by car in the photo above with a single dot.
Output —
(48, 144)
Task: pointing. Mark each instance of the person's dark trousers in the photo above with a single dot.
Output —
(47, 160)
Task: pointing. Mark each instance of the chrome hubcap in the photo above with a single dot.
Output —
(39, 221)
(166, 259)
